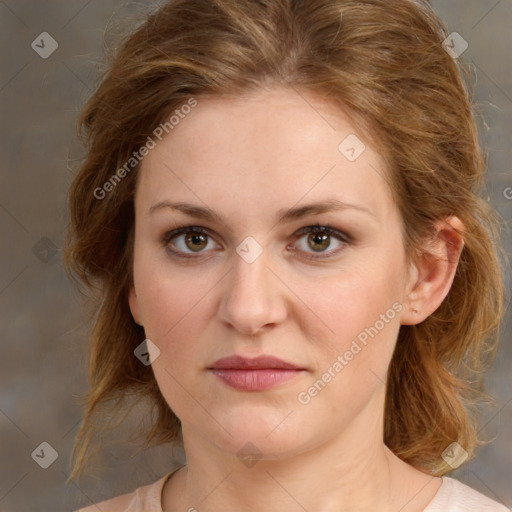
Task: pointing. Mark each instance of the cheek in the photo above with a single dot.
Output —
(359, 316)
(176, 305)
(351, 363)
(168, 296)
(343, 306)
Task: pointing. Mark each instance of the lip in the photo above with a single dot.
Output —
(254, 374)
(263, 362)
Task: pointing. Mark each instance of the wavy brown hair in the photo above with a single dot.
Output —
(382, 62)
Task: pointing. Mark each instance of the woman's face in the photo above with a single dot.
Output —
(329, 304)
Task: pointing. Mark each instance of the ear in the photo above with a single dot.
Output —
(432, 274)
(134, 305)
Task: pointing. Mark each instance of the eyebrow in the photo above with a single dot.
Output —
(283, 216)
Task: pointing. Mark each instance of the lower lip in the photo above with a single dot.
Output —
(255, 380)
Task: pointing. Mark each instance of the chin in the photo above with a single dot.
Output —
(264, 437)
(254, 449)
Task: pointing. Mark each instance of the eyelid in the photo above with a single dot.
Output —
(327, 229)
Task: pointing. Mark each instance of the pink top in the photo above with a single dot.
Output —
(452, 496)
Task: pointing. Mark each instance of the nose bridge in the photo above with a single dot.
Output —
(250, 271)
(249, 300)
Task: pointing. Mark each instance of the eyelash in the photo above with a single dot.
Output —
(324, 229)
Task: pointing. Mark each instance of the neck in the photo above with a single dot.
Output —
(353, 472)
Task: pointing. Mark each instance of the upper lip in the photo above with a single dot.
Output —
(263, 362)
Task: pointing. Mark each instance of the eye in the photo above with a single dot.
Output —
(319, 239)
(194, 239)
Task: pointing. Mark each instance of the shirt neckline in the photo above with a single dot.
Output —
(159, 491)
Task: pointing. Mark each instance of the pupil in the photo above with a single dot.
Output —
(319, 238)
(195, 239)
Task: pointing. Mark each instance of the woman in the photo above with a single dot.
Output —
(279, 209)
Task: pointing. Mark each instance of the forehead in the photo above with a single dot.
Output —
(268, 148)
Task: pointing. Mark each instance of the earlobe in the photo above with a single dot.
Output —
(134, 305)
(434, 272)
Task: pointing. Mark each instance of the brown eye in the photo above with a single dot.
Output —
(319, 242)
(195, 242)
(184, 242)
(319, 239)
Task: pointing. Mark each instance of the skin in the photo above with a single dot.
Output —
(247, 157)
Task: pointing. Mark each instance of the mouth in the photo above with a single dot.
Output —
(257, 374)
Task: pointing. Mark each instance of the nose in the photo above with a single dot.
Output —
(253, 296)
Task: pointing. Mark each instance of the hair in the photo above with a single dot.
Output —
(384, 64)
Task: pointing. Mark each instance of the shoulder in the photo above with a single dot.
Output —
(147, 498)
(454, 496)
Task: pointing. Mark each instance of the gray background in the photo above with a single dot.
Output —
(44, 328)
